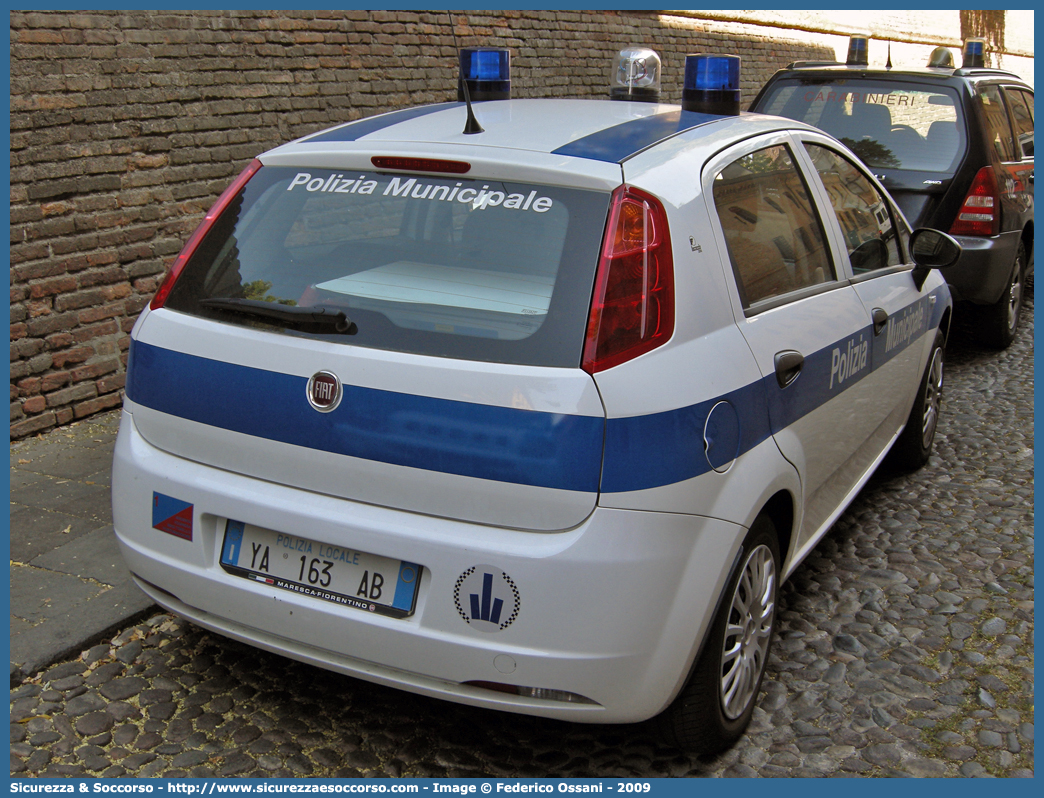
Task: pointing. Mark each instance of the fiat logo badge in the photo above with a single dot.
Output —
(324, 391)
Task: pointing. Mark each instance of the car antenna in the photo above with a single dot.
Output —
(471, 126)
(888, 63)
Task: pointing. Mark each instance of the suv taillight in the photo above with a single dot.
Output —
(208, 221)
(632, 311)
(980, 213)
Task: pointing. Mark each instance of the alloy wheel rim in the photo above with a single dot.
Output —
(748, 632)
(1015, 295)
(932, 398)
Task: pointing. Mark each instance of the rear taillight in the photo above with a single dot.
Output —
(208, 221)
(633, 307)
(980, 213)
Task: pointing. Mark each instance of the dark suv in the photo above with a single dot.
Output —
(954, 147)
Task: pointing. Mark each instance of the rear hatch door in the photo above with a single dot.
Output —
(455, 366)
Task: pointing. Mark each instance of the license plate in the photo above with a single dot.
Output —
(336, 574)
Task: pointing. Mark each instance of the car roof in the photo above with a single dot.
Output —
(933, 73)
(600, 130)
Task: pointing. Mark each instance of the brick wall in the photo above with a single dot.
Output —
(126, 125)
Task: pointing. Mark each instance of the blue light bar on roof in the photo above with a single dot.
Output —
(487, 71)
(712, 84)
(974, 53)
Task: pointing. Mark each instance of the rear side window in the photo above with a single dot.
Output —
(888, 125)
(774, 237)
(1022, 113)
(998, 130)
(481, 270)
(871, 234)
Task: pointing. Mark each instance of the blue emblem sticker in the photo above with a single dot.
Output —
(172, 516)
(487, 598)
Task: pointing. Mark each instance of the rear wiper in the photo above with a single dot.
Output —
(289, 314)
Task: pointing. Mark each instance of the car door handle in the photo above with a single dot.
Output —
(788, 366)
(880, 317)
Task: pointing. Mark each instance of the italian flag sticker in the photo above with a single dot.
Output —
(172, 516)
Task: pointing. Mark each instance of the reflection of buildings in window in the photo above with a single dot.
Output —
(773, 235)
(997, 122)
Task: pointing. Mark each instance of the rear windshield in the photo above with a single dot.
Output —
(475, 269)
(888, 125)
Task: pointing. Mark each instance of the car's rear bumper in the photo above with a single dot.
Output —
(612, 610)
(981, 275)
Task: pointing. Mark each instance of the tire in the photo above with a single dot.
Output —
(914, 444)
(1000, 321)
(715, 706)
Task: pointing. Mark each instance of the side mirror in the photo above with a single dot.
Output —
(932, 249)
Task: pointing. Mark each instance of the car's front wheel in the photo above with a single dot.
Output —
(1001, 319)
(914, 445)
(715, 706)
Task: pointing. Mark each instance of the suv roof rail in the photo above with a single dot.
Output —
(800, 64)
(973, 71)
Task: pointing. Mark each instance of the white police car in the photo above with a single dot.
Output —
(535, 418)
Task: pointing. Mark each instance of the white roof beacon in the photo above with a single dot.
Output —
(941, 58)
(636, 75)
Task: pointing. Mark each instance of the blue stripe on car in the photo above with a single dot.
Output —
(659, 449)
(618, 143)
(524, 447)
(615, 144)
(663, 448)
(364, 127)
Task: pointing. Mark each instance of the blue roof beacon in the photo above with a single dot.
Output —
(487, 71)
(712, 84)
(974, 54)
(858, 47)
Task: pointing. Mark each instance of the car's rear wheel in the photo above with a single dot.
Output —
(914, 445)
(1001, 320)
(715, 706)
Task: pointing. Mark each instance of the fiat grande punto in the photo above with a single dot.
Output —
(535, 416)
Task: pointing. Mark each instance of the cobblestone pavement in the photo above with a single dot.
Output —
(905, 648)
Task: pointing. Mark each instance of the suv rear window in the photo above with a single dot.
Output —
(474, 269)
(888, 125)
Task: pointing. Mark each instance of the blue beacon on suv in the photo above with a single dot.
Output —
(975, 53)
(858, 51)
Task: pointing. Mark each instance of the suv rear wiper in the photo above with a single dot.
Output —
(290, 314)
